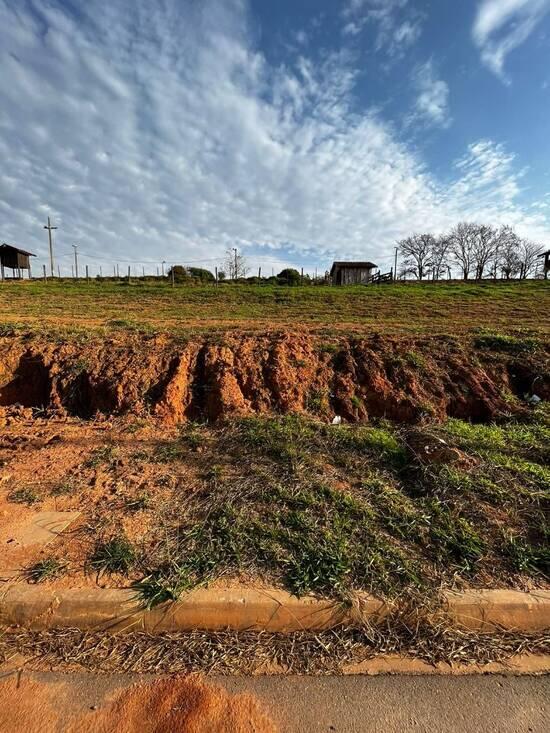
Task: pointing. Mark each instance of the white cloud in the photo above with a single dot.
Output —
(154, 133)
(398, 25)
(503, 25)
(432, 102)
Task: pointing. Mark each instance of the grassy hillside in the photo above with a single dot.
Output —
(399, 308)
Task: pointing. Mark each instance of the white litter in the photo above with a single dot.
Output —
(534, 399)
(337, 420)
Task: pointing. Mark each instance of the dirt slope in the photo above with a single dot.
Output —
(401, 379)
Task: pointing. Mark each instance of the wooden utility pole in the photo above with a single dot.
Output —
(395, 262)
(45, 276)
(235, 271)
(87, 274)
(50, 228)
(75, 247)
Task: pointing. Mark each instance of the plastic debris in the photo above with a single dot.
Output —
(534, 399)
(337, 420)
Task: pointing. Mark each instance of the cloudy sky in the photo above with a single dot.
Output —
(297, 130)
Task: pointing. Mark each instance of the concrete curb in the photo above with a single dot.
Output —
(240, 609)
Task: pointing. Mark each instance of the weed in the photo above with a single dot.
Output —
(138, 503)
(63, 489)
(357, 402)
(526, 557)
(116, 555)
(169, 452)
(47, 569)
(317, 401)
(416, 360)
(452, 537)
(104, 454)
(24, 495)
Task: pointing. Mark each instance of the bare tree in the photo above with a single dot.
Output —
(235, 264)
(461, 246)
(508, 260)
(485, 249)
(528, 258)
(417, 253)
(439, 256)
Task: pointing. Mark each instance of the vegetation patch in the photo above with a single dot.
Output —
(332, 509)
(48, 569)
(115, 555)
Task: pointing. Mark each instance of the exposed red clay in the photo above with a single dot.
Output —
(403, 379)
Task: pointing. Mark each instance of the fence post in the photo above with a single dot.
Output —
(129, 266)
(216, 269)
(87, 274)
(173, 281)
(45, 276)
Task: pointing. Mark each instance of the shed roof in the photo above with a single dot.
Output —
(358, 265)
(17, 249)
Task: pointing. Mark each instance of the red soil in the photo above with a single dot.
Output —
(401, 379)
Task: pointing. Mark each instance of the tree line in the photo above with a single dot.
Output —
(477, 251)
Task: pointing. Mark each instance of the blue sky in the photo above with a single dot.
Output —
(299, 131)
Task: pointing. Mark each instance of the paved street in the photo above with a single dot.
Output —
(387, 703)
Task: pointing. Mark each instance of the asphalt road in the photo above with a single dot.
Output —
(388, 703)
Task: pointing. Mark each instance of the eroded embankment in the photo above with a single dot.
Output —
(400, 379)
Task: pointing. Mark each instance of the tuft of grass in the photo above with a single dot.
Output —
(47, 569)
(138, 503)
(506, 344)
(115, 555)
(169, 452)
(65, 488)
(104, 454)
(526, 557)
(24, 495)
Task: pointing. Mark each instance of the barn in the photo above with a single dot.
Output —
(14, 258)
(351, 273)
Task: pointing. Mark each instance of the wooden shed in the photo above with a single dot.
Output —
(351, 273)
(14, 258)
(546, 265)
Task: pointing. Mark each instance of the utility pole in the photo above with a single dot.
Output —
(395, 263)
(235, 272)
(75, 247)
(50, 229)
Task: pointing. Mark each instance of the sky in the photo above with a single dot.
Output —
(298, 131)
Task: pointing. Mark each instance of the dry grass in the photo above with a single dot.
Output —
(399, 308)
(225, 653)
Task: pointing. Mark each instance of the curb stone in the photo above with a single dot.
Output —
(240, 609)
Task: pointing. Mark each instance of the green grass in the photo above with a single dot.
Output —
(329, 509)
(24, 495)
(48, 569)
(115, 555)
(506, 344)
(398, 308)
(104, 455)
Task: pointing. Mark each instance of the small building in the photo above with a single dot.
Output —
(546, 266)
(14, 258)
(351, 273)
